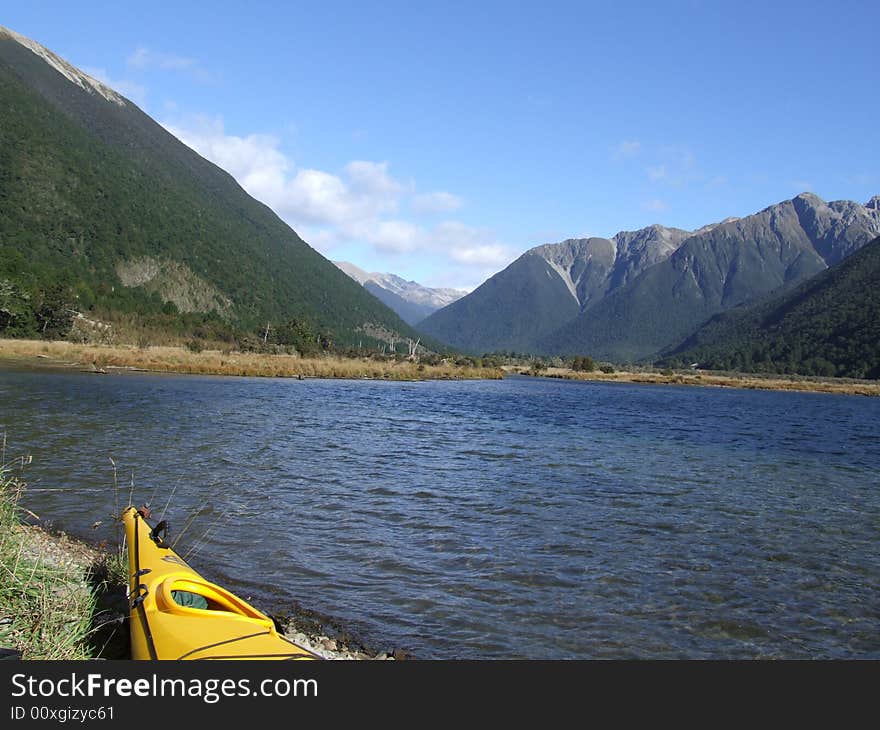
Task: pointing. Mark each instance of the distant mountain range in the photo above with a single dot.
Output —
(412, 301)
(103, 210)
(630, 297)
(829, 325)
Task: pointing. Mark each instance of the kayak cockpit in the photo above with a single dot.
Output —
(185, 595)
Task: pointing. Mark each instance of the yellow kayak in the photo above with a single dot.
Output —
(177, 614)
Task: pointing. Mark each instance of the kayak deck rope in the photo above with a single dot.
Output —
(226, 642)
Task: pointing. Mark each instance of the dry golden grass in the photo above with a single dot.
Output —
(168, 359)
(751, 382)
(215, 362)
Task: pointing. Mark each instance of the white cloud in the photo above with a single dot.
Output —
(466, 244)
(358, 205)
(439, 202)
(628, 148)
(322, 239)
(395, 236)
(300, 196)
(655, 205)
(678, 167)
(802, 186)
(255, 161)
(315, 196)
(673, 166)
(489, 254)
(656, 173)
(372, 178)
(144, 58)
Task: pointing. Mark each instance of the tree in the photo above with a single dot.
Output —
(54, 312)
(16, 312)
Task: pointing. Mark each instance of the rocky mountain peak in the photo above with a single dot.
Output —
(571, 250)
(411, 300)
(590, 267)
(70, 72)
(655, 237)
(873, 203)
(713, 226)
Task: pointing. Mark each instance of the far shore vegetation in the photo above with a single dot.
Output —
(278, 363)
(61, 355)
(44, 329)
(667, 376)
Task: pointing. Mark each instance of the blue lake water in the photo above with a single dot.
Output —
(489, 519)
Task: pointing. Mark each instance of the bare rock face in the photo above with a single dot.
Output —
(835, 229)
(591, 267)
(583, 264)
(639, 250)
(174, 282)
(826, 326)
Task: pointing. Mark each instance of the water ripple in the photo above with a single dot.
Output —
(521, 518)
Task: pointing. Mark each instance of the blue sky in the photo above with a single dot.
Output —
(439, 141)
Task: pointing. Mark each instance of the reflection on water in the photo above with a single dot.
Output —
(521, 518)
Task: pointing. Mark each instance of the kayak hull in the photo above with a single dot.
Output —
(213, 624)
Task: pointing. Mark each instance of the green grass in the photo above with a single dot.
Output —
(49, 610)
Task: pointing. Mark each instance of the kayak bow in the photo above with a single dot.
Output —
(177, 614)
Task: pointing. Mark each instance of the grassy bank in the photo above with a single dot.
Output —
(63, 599)
(215, 362)
(725, 380)
(55, 593)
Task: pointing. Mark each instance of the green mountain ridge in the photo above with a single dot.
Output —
(730, 264)
(547, 287)
(100, 201)
(628, 298)
(506, 312)
(829, 325)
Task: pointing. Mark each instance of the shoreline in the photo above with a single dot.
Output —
(55, 356)
(62, 356)
(80, 557)
(745, 381)
(116, 359)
